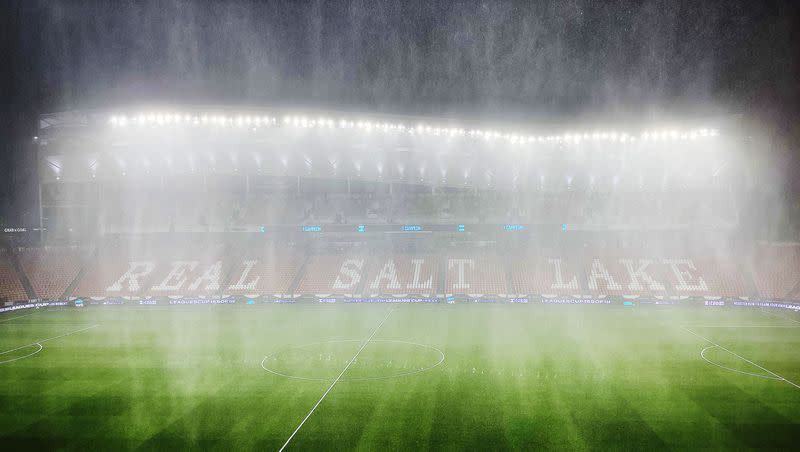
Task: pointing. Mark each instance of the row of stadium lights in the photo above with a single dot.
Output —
(254, 122)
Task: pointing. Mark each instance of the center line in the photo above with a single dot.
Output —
(336, 380)
(743, 358)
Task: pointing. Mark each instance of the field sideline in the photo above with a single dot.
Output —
(376, 377)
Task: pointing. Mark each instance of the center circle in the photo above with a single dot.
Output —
(380, 359)
(16, 354)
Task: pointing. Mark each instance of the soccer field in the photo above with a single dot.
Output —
(377, 377)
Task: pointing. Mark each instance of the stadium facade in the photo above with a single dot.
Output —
(212, 204)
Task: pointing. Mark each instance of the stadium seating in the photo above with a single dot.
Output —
(10, 286)
(475, 274)
(51, 270)
(722, 276)
(205, 266)
(155, 267)
(113, 261)
(402, 274)
(535, 275)
(776, 270)
(264, 270)
(625, 275)
(333, 274)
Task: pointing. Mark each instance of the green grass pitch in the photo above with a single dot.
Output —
(456, 377)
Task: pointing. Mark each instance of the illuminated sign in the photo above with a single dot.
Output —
(411, 228)
(312, 228)
(460, 228)
(361, 228)
(513, 227)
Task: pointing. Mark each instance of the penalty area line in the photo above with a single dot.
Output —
(743, 358)
(339, 377)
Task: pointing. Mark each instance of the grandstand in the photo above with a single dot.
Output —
(374, 214)
(197, 265)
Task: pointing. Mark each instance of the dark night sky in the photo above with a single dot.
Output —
(520, 60)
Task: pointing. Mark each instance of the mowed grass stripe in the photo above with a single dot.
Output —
(515, 377)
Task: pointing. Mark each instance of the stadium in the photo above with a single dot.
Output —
(235, 277)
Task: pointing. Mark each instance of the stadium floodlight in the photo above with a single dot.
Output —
(254, 122)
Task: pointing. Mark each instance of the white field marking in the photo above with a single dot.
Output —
(40, 341)
(23, 357)
(349, 363)
(17, 317)
(385, 377)
(744, 326)
(703, 355)
(56, 324)
(743, 358)
(775, 314)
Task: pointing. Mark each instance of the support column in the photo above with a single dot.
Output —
(41, 215)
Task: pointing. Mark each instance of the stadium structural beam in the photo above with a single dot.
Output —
(41, 215)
